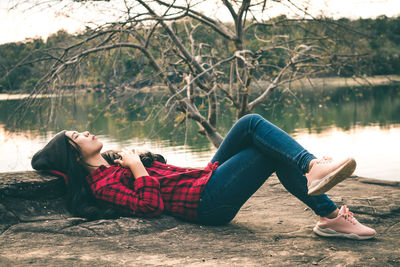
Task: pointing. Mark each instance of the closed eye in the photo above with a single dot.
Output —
(76, 135)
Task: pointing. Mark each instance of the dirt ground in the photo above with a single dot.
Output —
(272, 229)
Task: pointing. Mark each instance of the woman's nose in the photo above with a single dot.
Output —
(86, 133)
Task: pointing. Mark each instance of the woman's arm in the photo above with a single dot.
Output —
(145, 198)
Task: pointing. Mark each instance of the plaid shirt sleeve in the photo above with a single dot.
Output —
(143, 200)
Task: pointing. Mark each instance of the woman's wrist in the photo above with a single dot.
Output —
(138, 169)
(135, 164)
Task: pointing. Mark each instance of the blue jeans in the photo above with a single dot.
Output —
(251, 151)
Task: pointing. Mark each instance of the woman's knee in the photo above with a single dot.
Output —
(251, 118)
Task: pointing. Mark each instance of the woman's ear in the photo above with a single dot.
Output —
(77, 156)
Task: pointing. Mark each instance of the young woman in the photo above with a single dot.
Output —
(109, 184)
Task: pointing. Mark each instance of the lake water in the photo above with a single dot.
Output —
(363, 122)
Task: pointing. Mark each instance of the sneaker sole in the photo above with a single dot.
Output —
(333, 178)
(332, 233)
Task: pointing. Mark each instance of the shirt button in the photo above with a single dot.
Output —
(168, 167)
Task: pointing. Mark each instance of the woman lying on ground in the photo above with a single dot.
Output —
(110, 184)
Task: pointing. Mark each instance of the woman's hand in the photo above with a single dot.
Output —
(130, 159)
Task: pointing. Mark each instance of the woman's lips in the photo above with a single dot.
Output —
(94, 137)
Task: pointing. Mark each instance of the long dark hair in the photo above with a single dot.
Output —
(79, 197)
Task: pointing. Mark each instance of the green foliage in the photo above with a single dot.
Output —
(377, 42)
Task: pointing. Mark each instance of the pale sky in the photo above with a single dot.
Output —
(17, 24)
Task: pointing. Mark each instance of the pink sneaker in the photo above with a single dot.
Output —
(344, 225)
(326, 173)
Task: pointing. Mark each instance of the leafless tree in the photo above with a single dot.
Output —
(166, 32)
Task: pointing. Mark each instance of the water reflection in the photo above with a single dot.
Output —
(365, 121)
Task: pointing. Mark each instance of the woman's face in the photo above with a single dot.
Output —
(88, 143)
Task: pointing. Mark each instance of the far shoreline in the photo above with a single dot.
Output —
(312, 83)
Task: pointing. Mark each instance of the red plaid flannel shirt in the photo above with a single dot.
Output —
(168, 188)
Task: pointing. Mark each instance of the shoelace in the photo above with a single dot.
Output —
(349, 216)
(324, 160)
